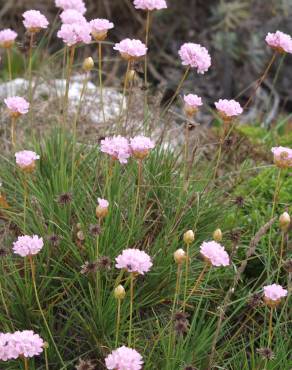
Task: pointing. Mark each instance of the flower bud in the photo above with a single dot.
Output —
(101, 212)
(88, 64)
(119, 292)
(78, 226)
(179, 256)
(217, 235)
(46, 345)
(284, 221)
(189, 236)
(80, 235)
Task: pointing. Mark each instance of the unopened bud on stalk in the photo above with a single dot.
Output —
(217, 235)
(46, 345)
(189, 236)
(119, 292)
(80, 235)
(88, 64)
(179, 256)
(284, 221)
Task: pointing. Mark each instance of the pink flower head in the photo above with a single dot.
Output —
(117, 147)
(7, 351)
(282, 157)
(273, 294)
(7, 38)
(141, 146)
(192, 104)
(26, 160)
(150, 4)
(28, 245)
(134, 260)
(214, 253)
(26, 343)
(280, 42)
(75, 33)
(71, 16)
(71, 4)
(103, 203)
(228, 108)
(17, 106)
(195, 56)
(124, 358)
(131, 49)
(99, 28)
(34, 20)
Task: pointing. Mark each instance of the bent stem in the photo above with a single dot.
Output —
(198, 282)
(40, 308)
(261, 80)
(131, 307)
(13, 123)
(184, 77)
(100, 79)
(124, 95)
(118, 323)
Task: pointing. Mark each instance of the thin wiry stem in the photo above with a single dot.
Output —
(124, 95)
(118, 323)
(100, 79)
(26, 364)
(8, 51)
(148, 22)
(13, 124)
(41, 310)
(186, 274)
(30, 69)
(131, 308)
(198, 282)
(68, 78)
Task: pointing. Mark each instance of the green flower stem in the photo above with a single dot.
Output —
(13, 124)
(124, 95)
(68, 78)
(100, 79)
(132, 277)
(186, 274)
(8, 51)
(41, 311)
(198, 282)
(118, 323)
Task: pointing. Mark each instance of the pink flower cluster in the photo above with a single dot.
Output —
(274, 292)
(75, 33)
(124, 358)
(117, 147)
(100, 25)
(195, 56)
(214, 253)
(140, 146)
(131, 49)
(17, 105)
(20, 344)
(71, 16)
(134, 260)
(150, 4)
(7, 38)
(28, 245)
(34, 20)
(282, 157)
(26, 158)
(228, 108)
(279, 41)
(193, 101)
(71, 4)
(103, 203)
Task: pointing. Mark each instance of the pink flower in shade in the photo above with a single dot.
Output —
(71, 4)
(26, 159)
(150, 4)
(273, 294)
(134, 260)
(71, 16)
(141, 146)
(28, 245)
(7, 38)
(131, 49)
(17, 105)
(228, 108)
(117, 147)
(282, 157)
(195, 56)
(214, 253)
(99, 28)
(279, 41)
(124, 358)
(34, 20)
(26, 343)
(75, 33)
